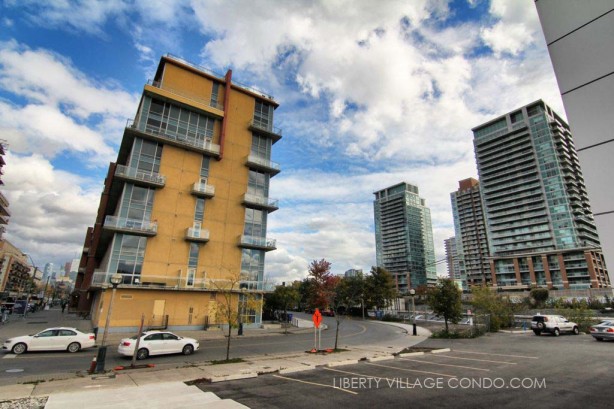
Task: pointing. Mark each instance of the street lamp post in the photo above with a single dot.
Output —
(102, 350)
(412, 292)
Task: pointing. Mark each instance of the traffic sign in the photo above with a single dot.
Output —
(317, 318)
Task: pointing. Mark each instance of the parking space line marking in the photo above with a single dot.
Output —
(479, 360)
(412, 370)
(317, 384)
(486, 353)
(9, 356)
(440, 364)
(383, 377)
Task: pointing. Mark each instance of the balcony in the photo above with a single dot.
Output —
(197, 234)
(271, 132)
(203, 146)
(260, 202)
(184, 279)
(131, 226)
(258, 243)
(203, 189)
(265, 165)
(139, 177)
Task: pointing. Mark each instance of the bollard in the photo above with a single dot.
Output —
(92, 365)
(415, 331)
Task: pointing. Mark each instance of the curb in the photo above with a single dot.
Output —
(342, 363)
(406, 354)
(380, 358)
(440, 351)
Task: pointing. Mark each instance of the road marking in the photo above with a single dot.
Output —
(479, 360)
(383, 377)
(9, 356)
(317, 384)
(486, 353)
(439, 364)
(411, 370)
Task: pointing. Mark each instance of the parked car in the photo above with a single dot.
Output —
(157, 343)
(51, 339)
(603, 330)
(553, 324)
(328, 313)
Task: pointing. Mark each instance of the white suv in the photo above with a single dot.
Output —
(554, 324)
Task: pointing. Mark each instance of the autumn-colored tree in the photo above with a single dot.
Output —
(320, 292)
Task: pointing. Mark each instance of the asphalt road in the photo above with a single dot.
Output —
(46, 364)
(495, 371)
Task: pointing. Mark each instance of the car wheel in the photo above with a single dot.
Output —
(540, 325)
(142, 353)
(599, 339)
(20, 348)
(536, 332)
(556, 332)
(187, 350)
(576, 331)
(74, 347)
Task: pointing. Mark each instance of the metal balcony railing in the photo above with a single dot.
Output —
(145, 227)
(151, 178)
(197, 234)
(263, 163)
(262, 243)
(260, 201)
(203, 189)
(202, 144)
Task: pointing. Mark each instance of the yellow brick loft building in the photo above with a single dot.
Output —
(183, 214)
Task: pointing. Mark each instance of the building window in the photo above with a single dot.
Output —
(258, 183)
(136, 203)
(255, 223)
(177, 122)
(215, 94)
(263, 115)
(261, 146)
(127, 257)
(199, 212)
(145, 156)
(204, 168)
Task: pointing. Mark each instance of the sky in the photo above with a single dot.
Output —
(371, 93)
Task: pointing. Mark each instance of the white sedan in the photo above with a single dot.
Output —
(157, 343)
(51, 339)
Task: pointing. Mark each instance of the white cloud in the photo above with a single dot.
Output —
(50, 209)
(64, 109)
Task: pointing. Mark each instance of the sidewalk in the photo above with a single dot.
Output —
(156, 387)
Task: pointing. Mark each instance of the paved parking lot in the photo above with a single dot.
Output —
(499, 370)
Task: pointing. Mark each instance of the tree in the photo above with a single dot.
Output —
(229, 309)
(354, 292)
(540, 295)
(320, 291)
(485, 300)
(380, 287)
(445, 300)
(285, 297)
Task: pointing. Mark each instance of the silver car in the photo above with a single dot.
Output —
(603, 330)
(553, 324)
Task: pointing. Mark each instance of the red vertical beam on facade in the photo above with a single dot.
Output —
(547, 271)
(517, 272)
(228, 79)
(91, 264)
(532, 271)
(563, 271)
(591, 269)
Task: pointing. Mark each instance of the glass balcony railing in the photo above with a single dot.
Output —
(143, 227)
(204, 145)
(263, 164)
(260, 201)
(133, 174)
(261, 243)
(186, 279)
(197, 234)
(203, 189)
(271, 131)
